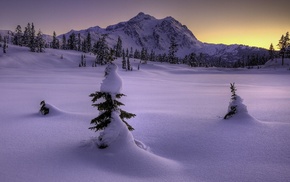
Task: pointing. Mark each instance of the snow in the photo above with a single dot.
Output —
(112, 82)
(179, 121)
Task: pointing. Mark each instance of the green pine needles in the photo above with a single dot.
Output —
(232, 107)
(106, 108)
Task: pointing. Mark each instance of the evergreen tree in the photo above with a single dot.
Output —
(124, 66)
(152, 55)
(283, 45)
(89, 42)
(72, 42)
(64, 43)
(232, 108)
(129, 68)
(271, 51)
(32, 44)
(101, 50)
(137, 54)
(131, 52)
(119, 47)
(109, 106)
(18, 36)
(27, 35)
(79, 42)
(39, 42)
(5, 44)
(172, 51)
(55, 42)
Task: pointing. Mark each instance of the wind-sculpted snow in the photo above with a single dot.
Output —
(179, 122)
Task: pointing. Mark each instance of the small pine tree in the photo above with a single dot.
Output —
(232, 108)
(108, 107)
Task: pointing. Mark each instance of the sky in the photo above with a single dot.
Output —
(250, 22)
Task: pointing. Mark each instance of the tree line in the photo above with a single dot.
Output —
(84, 43)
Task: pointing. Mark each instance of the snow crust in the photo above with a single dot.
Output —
(178, 124)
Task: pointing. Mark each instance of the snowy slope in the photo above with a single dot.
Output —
(179, 119)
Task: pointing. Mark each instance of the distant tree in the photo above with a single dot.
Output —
(129, 68)
(64, 43)
(79, 42)
(17, 40)
(55, 42)
(271, 52)
(131, 53)
(89, 42)
(124, 64)
(39, 42)
(172, 51)
(101, 50)
(119, 47)
(72, 42)
(32, 44)
(137, 54)
(5, 44)
(152, 55)
(83, 61)
(283, 45)
(27, 35)
(144, 55)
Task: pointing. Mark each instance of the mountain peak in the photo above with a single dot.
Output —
(142, 16)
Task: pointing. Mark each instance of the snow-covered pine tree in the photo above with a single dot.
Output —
(111, 119)
(236, 105)
(232, 107)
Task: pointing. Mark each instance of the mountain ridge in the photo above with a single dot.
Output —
(146, 31)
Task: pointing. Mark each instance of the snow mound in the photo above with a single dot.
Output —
(53, 110)
(129, 160)
(116, 134)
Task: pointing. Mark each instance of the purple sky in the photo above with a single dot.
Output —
(251, 22)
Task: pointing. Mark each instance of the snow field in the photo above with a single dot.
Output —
(179, 118)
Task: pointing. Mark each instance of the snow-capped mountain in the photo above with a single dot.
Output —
(145, 31)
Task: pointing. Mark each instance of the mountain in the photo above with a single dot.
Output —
(145, 31)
